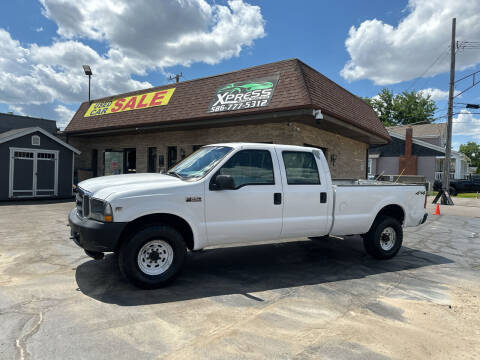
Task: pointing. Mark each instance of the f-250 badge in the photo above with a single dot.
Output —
(193, 199)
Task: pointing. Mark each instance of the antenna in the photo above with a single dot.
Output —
(176, 77)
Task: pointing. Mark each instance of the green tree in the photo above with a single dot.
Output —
(383, 104)
(404, 108)
(472, 150)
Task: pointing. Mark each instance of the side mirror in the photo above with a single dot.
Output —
(223, 182)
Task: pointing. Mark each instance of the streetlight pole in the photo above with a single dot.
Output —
(89, 77)
(88, 72)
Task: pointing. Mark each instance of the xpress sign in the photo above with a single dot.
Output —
(141, 101)
(244, 95)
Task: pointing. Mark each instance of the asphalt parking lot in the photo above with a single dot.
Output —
(297, 299)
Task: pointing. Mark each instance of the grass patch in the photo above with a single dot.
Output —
(461, 195)
(468, 195)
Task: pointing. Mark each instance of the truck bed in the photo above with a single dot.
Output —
(356, 203)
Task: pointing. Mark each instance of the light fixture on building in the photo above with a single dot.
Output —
(318, 115)
(333, 158)
(89, 73)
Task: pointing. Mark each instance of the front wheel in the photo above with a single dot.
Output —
(384, 239)
(153, 257)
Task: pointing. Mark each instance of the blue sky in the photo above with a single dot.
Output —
(391, 44)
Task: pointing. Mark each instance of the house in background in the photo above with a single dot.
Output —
(34, 162)
(435, 134)
(10, 121)
(412, 153)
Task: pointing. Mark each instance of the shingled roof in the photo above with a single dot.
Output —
(299, 87)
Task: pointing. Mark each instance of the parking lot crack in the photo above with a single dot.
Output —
(21, 342)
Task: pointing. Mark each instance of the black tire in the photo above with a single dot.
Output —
(452, 191)
(128, 256)
(375, 242)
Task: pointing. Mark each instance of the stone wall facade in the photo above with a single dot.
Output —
(347, 158)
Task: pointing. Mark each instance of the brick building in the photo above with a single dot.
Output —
(284, 102)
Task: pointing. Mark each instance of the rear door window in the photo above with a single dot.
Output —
(300, 168)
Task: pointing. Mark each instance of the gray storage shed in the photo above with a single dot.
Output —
(35, 164)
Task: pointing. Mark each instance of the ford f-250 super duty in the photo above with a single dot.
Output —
(230, 193)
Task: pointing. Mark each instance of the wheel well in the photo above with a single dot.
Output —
(173, 220)
(393, 211)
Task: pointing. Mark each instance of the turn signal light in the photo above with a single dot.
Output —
(108, 218)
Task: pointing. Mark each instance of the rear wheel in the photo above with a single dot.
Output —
(384, 239)
(153, 257)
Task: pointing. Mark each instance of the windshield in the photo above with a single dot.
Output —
(200, 162)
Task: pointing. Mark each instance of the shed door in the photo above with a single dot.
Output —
(33, 173)
(46, 174)
(21, 173)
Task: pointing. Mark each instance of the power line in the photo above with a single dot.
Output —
(442, 54)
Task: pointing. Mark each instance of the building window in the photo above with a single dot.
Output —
(94, 162)
(152, 159)
(301, 168)
(36, 140)
(130, 160)
(370, 161)
(171, 156)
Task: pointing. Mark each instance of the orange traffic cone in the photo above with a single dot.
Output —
(437, 210)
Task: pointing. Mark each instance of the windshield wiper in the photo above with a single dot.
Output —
(173, 173)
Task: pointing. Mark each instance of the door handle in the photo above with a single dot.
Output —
(277, 198)
(323, 197)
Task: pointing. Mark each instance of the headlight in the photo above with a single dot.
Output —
(100, 210)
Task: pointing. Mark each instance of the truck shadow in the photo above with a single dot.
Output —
(249, 269)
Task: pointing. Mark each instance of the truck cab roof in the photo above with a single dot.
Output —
(237, 145)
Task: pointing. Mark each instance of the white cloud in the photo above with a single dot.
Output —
(64, 115)
(437, 94)
(466, 124)
(389, 54)
(139, 37)
(161, 33)
(39, 29)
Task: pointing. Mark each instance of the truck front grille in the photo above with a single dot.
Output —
(82, 201)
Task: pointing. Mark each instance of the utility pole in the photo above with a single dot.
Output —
(446, 168)
(443, 193)
(176, 77)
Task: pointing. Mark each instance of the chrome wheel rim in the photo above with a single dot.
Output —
(387, 238)
(155, 257)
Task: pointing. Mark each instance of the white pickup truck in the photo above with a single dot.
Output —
(232, 193)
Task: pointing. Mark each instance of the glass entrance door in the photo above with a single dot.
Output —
(114, 161)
